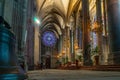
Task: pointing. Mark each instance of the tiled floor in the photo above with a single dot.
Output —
(52, 74)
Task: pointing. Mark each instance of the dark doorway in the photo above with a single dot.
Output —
(48, 62)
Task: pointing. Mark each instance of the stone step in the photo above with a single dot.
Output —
(95, 68)
(102, 68)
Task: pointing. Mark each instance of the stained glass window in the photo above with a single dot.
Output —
(49, 38)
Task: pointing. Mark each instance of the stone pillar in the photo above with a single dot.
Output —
(2, 3)
(60, 44)
(86, 32)
(113, 8)
(64, 45)
(40, 55)
(9, 67)
(36, 45)
(68, 44)
(76, 47)
(72, 45)
(105, 45)
(60, 48)
(105, 17)
(99, 29)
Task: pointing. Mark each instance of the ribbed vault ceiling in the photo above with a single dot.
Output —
(55, 14)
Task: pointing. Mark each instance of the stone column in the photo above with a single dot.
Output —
(99, 29)
(60, 44)
(61, 47)
(36, 46)
(113, 8)
(76, 47)
(105, 47)
(2, 3)
(68, 44)
(40, 47)
(64, 45)
(86, 31)
(9, 67)
(72, 45)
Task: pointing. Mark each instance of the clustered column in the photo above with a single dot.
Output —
(86, 31)
(99, 30)
(113, 8)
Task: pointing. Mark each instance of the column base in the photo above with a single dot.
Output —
(114, 58)
(12, 73)
(11, 77)
(103, 59)
(88, 62)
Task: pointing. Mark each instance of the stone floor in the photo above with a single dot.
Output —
(52, 74)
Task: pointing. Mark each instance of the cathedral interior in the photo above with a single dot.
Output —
(58, 34)
(73, 30)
